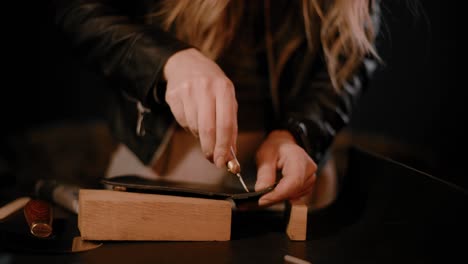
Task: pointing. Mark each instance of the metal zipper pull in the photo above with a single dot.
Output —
(140, 130)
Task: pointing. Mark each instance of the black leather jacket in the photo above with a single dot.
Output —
(113, 36)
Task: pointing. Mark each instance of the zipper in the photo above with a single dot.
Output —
(141, 111)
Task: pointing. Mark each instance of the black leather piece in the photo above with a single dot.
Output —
(137, 184)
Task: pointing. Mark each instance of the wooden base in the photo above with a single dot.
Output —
(113, 215)
(297, 224)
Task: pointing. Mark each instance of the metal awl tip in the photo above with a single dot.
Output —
(242, 182)
(234, 168)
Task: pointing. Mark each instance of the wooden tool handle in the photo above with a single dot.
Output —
(233, 166)
(38, 214)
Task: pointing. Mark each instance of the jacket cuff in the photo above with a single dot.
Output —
(310, 136)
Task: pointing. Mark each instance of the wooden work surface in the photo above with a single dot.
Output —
(385, 213)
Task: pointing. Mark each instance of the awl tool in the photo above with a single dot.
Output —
(234, 168)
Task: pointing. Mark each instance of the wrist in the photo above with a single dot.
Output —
(283, 135)
(174, 62)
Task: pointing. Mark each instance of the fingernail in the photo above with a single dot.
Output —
(260, 186)
(220, 162)
(263, 202)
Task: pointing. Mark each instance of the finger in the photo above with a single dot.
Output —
(301, 194)
(234, 133)
(307, 189)
(207, 125)
(177, 109)
(292, 183)
(225, 119)
(232, 154)
(266, 169)
(191, 113)
(310, 179)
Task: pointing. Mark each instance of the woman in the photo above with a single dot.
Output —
(291, 69)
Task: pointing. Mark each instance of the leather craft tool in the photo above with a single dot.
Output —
(38, 214)
(234, 168)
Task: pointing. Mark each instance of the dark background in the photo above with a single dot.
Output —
(416, 100)
(412, 112)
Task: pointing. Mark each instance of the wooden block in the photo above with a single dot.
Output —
(113, 215)
(297, 224)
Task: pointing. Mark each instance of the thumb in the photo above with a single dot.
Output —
(266, 172)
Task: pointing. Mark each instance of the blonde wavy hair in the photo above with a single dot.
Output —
(343, 29)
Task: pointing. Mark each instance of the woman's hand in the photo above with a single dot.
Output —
(281, 152)
(203, 101)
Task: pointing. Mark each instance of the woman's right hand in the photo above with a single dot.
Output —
(202, 100)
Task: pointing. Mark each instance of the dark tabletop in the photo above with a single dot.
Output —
(386, 212)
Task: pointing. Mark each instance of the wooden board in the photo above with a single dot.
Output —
(113, 215)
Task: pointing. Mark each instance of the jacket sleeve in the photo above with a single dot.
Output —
(315, 112)
(319, 113)
(129, 53)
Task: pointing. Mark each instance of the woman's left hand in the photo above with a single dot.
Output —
(281, 152)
